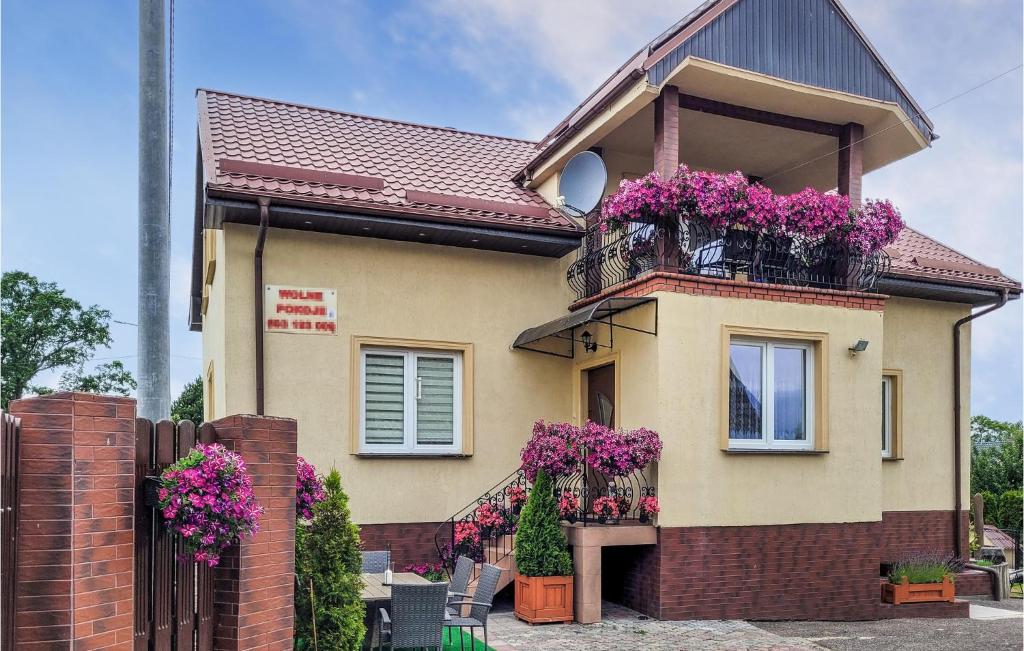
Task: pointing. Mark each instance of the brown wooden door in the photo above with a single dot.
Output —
(601, 395)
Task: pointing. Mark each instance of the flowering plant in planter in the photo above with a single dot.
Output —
(618, 452)
(648, 506)
(309, 490)
(730, 201)
(554, 448)
(467, 542)
(206, 496)
(641, 200)
(490, 519)
(568, 506)
(517, 496)
(433, 572)
(606, 507)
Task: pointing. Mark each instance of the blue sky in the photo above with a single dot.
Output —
(68, 102)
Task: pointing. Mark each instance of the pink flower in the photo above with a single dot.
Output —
(517, 495)
(649, 504)
(568, 504)
(309, 490)
(607, 506)
(207, 498)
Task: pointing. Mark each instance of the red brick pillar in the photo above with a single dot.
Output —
(75, 534)
(253, 585)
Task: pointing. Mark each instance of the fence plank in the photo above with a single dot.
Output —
(184, 582)
(163, 549)
(10, 446)
(144, 464)
(204, 576)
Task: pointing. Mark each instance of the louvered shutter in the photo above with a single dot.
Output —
(435, 400)
(384, 399)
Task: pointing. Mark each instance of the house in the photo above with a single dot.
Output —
(997, 539)
(417, 297)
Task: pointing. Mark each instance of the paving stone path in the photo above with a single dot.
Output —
(624, 629)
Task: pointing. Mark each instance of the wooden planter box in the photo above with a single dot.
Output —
(542, 599)
(913, 593)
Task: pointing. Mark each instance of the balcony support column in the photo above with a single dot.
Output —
(666, 132)
(666, 160)
(851, 162)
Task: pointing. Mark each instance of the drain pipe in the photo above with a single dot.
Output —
(257, 260)
(958, 527)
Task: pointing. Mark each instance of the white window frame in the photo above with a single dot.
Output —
(767, 440)
(888, 387)
(409, 445)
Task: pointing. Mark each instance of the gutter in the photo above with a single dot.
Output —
(257, 260)
(957, 434)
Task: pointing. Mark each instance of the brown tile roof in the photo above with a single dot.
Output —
(306, 155)
(919, 257)
(997, 537)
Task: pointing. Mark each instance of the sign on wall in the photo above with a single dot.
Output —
(300, 310)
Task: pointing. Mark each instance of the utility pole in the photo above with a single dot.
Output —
(154, 218)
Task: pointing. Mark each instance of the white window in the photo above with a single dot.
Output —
(771, 395)
(411, 402)
(888, 415)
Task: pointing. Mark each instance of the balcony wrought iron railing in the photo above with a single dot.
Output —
(466, 533)
(605, 259)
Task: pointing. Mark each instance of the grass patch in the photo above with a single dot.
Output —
(452, 642)
(983, 562)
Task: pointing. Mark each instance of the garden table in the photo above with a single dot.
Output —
(376, 595)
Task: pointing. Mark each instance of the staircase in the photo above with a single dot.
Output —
(478, 534)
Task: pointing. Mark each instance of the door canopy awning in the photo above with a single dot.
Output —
(558, 337)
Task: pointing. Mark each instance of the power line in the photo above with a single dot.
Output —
(124, 323)
(901, 123)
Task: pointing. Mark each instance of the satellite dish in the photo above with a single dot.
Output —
(581, 183)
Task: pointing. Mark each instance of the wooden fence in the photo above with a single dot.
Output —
(10, 440)
(173, 596)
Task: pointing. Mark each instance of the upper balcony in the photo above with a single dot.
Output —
(605, 260)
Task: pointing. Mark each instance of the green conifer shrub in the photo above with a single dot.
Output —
(327, 553)
(541, 549)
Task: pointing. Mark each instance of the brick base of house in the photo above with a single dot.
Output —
(770, 572)
(905, 533)
(773, 572)
(410, 542)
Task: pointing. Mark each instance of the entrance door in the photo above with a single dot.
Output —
(601, 395)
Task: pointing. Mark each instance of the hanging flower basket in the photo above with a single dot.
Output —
(207, 498)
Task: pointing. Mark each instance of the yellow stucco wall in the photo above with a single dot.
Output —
(919, 341)
(409, 291)
(671, 383)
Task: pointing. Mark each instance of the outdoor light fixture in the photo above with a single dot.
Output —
(589, 344)
(858, 347)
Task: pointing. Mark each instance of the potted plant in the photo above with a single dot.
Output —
(568, 506)
(606, 509)
(544, 581)
(207, 498)
(648, 506)
(516, 497)
(920, 579)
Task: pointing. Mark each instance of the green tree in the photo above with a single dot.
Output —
(189, 403)
(327, 555)
(111, 378)
(43, 329)
(996, 455)
(541, 548)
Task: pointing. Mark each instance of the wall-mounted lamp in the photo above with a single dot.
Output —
(589, 344)
(858, 347)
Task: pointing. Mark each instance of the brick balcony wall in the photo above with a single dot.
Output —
(76, 511)
(664, 281)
